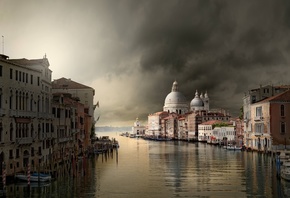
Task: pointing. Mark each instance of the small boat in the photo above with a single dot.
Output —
(132, 135)
(285, 170)
(235, 148)
(34, 177)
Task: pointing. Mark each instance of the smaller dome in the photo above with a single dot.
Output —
(196, 101)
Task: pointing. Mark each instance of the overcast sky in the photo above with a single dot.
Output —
(130, 52)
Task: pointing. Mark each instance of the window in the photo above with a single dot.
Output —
(32, 151)
(19, 75)
(11, 132)
(16, 75)
(31, 79)
(1, 131)
(283, 128)
(258, 111)
(282, 110)
(0, 98)
(259, 128)
(38, 81)
(17, 153)
(253, 99)
(11, 73)
(0, 70)
(10, 154)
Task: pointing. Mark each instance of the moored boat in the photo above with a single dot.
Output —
(285, 170)
(34, 177)
(235, 148)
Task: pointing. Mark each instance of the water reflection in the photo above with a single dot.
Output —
(166, 169)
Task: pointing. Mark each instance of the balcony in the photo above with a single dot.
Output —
(64, 139)
(18, 113)
(75, 130)
(45, 115)
(26, 140)
(258, 118)
(2, 112)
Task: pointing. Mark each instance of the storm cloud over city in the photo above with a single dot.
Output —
(131, 52)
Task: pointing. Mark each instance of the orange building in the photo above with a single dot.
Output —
(270, 121)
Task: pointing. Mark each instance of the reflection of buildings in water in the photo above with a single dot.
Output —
(259, 174)
(285, 188)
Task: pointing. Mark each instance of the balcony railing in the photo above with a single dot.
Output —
(258, 118)
(65, 139)
(20, 113)
(75, 130)
(26, 140)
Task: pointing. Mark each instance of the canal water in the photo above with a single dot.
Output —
(142, 168)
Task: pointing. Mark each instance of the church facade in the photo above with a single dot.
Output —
(180, 118)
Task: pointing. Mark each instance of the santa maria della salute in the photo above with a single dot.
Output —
(176, 102)
(180, 118)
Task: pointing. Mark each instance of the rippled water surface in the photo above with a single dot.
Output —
(144, 168)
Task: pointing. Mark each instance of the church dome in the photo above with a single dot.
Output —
(196, 101)
(175, 98)
(175, 101)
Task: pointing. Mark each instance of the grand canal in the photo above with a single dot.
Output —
(144, 168)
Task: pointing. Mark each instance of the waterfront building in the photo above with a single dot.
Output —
(170, 129)
(138, 129)
(183, 128)
(269, 120)
(156, 124)
(205, 131)
(85, 95)
(262, 117)
(216, 131)
(69, 122)
(25, 113)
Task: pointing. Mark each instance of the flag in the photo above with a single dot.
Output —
(96, 105)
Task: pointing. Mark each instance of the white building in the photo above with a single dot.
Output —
(155, 125)
(204, 132)
(138, 129)
(226, 134)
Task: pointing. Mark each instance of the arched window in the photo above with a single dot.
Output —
(1, 132)
(16, 101)
(282, 110)
(282, 128)
(11, 132)
(39, 131)
(0, 98)
(31, 102)
(31, 130)
(10, 99)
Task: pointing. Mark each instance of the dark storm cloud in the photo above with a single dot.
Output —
(131, 51)
(208, 44)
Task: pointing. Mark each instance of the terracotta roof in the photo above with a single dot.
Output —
(64, 83)
(284, 96)
(211, 122)
(160, 113)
